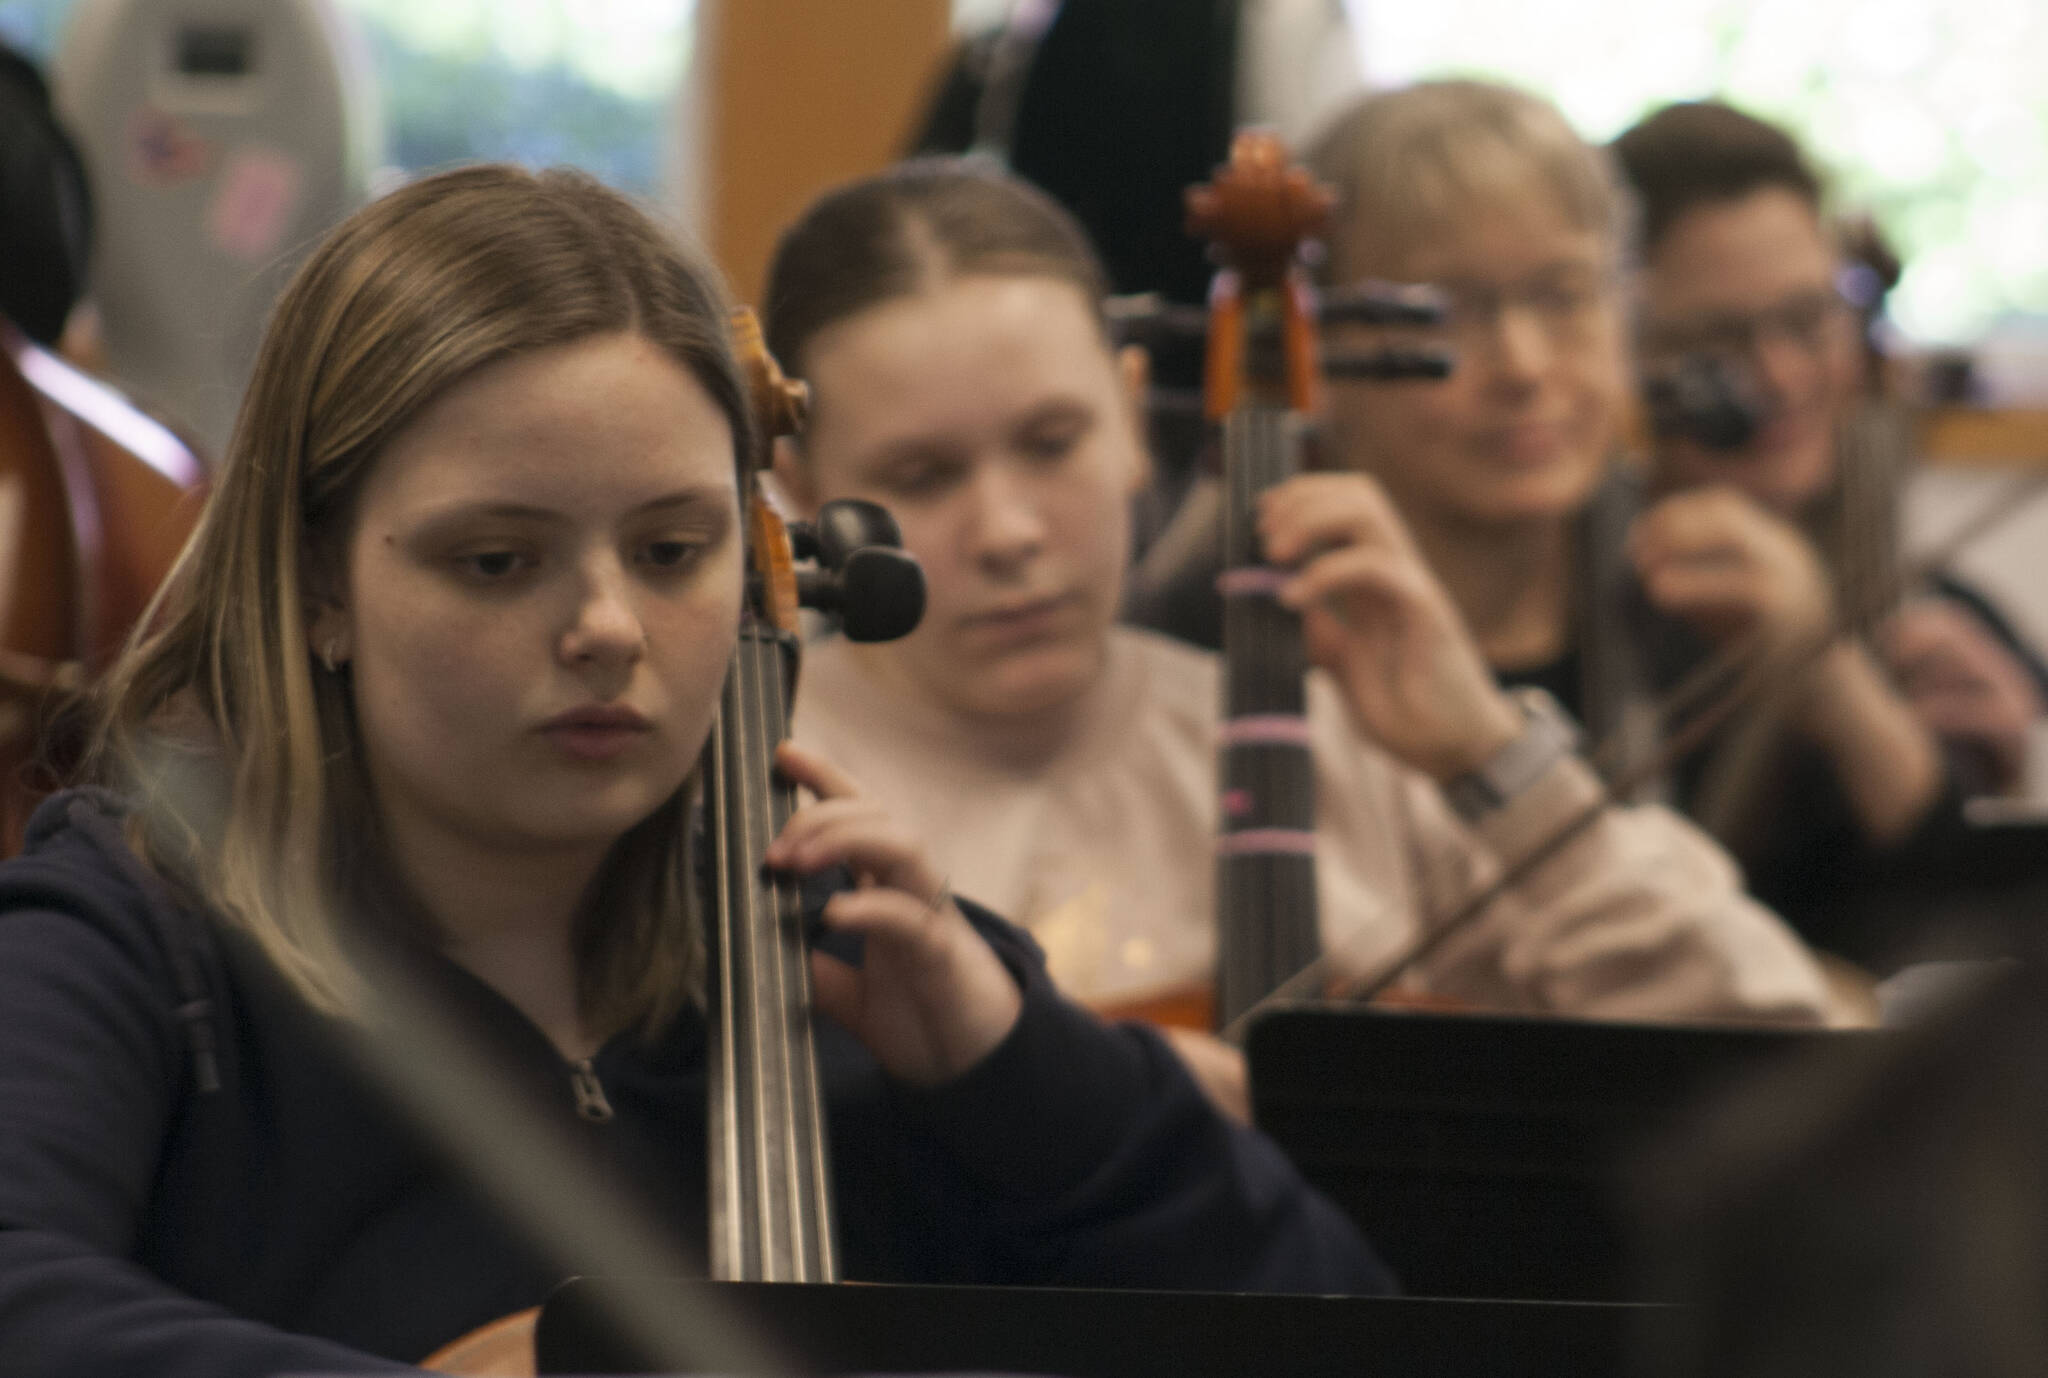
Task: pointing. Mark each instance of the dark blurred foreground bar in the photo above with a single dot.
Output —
(863, 1328)
(1488, 1156)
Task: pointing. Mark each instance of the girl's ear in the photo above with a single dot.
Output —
(793, 476)
(330, 633)
(330, 636)
(1134, 372)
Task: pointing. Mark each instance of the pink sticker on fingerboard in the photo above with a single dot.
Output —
(258, 195)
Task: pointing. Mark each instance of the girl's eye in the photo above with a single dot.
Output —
(493, 566)
(669, 554)
(1052, 444)
(916, 481)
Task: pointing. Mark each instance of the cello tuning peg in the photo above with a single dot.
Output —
(881, 594)
(862, 574)
(1384, 303)
(803, 540)
(878, 593)
(848, 525)
(1391, 364)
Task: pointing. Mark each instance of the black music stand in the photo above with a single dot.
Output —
(1482, 1154)
(860, 1328)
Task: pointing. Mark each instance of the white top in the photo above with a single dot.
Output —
(1103, 848)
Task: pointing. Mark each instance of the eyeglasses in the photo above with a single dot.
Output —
(1568, 306)
(1569, 303)
(1807, 320)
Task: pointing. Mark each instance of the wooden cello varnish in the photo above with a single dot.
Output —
(96, 501)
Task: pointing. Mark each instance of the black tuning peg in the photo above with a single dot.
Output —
(844, 526)
(862, 574)
(877, 592)
(1383, 303)
(1389, 364)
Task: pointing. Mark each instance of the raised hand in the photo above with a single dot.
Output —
(1734, 569)
(1376, 618)
(1962, 685)
(1718, 559)
(930, 998)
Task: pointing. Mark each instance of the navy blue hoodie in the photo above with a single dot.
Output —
(152, 1222)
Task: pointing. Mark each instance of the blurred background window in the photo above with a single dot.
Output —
(1931, 114)
(1928, 113)
(588, 82)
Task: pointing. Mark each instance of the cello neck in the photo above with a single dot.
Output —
(1260, 386)
(771, 1192)
(1265, 866)
(771, 1188)
(770, 1173)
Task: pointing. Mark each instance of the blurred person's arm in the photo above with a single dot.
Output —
(1719, 560)
(1970, 691)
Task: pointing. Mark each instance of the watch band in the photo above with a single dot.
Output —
(1548, 734)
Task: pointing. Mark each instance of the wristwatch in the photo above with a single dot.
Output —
(1548, 733)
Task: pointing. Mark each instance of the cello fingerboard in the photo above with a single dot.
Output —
(1265, 880)
(771, 1198)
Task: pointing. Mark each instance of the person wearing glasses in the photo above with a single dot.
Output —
(949, 322)
(1781, 518)
(1579, 574)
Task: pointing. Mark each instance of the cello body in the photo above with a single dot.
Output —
(96, 502)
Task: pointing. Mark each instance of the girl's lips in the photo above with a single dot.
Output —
(596, 732)
(594, 741)
(1021, 621)
(596, 715)
(1527, 446)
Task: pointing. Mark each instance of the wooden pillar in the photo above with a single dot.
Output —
(796, 95)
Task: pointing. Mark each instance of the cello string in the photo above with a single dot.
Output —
(727, 1093)
(1264, 668)
(771, 978)
(779, 1125)
(742, 1023)
(803, 1113)
(1764, 678)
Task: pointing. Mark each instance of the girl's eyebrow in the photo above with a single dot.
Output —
(683, 499)
(913, 450)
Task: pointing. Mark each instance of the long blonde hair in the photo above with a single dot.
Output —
(242, 755)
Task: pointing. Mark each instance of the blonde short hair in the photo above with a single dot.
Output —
(1408, 163)
(245, 760)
